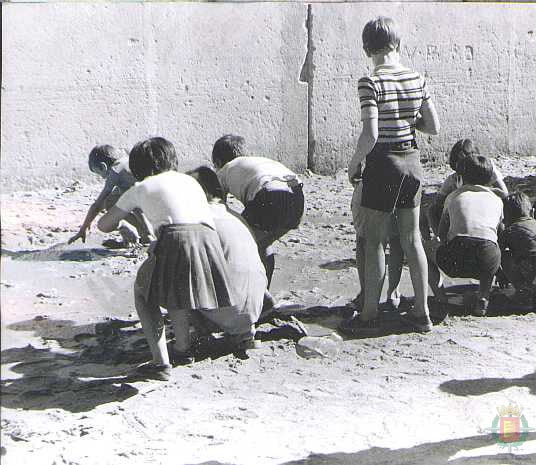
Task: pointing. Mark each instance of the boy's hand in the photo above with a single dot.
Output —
(79, 235)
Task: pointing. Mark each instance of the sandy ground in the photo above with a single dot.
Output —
(70, 341)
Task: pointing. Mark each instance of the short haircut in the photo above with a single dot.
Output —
(208, 179)
(227, 148)
(517, 205)
(475, 169)
(460, 149)
(380, 35)
(103, 154)
(152, 156)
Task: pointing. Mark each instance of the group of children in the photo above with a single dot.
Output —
(464, 226)
(208, 267)
(212, 268)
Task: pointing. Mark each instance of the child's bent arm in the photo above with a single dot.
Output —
(110, 221)
(499, 183)
(444, 226)
(428, 122)
(365, 144)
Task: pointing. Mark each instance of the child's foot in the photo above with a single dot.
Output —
(159, 372)
(180, 357)
(421, 324)
(481, 307)
(356, 327)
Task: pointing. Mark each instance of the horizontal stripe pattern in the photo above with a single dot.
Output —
(394, 96)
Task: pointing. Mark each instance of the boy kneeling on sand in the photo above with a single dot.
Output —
(468, 232)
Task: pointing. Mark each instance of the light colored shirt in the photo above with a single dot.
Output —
(244, 177)
(451, 183)
(239, 246)
(394, 95)
(473, 211)
(168, 198)
(120, 176)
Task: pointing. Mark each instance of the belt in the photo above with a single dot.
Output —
(410, 144)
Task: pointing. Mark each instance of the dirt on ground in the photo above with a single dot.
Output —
(71, 341)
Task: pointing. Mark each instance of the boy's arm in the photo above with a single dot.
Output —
(444, 226)
(365, 144)
(110, 221)
(428, 121)
(499, 184)
(92, 213)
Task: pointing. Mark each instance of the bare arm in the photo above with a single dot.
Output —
(110, 221)
(499, 183)
(365, 144)
(95, 208)
(444, 226)
(428, 121)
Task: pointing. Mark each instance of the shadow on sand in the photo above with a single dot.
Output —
(481, 386)
(433, 453)
(62, 252)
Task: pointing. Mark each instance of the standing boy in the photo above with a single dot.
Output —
(271, 193)
(395, 103)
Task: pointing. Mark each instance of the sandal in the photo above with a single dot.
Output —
(159, 372)
(356, 327)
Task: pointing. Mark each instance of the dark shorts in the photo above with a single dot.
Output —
(273, 210)
(468, 257)
(392, 179)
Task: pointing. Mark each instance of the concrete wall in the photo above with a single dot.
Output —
(74, 75)
(479, 62)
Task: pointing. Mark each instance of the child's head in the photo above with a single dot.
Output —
(459, 150)
(227, 148)
(101, 158)
(475, 169)
(152, 156)
(380, 35)
(516, 205)
(208, 180)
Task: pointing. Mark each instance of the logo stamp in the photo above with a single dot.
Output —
(510, 428)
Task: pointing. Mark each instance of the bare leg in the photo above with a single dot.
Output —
(376, 228)
(180, 319)
(152, 324)
(394, 269)
(410, 239)
(434, 275)
(361, 266)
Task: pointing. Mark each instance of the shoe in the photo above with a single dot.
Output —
(154, 371)
(481, 307)
(115, 244)
(422, 324)
(356, 327)
(180, 358)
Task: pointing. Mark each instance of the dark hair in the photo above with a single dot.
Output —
(227, 148)
(475, 169)
(516, 205)
(103, 154)
(152, 156)
(459, 150)
(208, 179)
(380, 35)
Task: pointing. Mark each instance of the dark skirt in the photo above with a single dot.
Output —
(392, 179)
(187, 270)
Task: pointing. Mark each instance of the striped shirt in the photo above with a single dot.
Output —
(394, 95)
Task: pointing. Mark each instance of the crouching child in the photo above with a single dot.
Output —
(518, 247)
(468, 228)
(186, 271)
